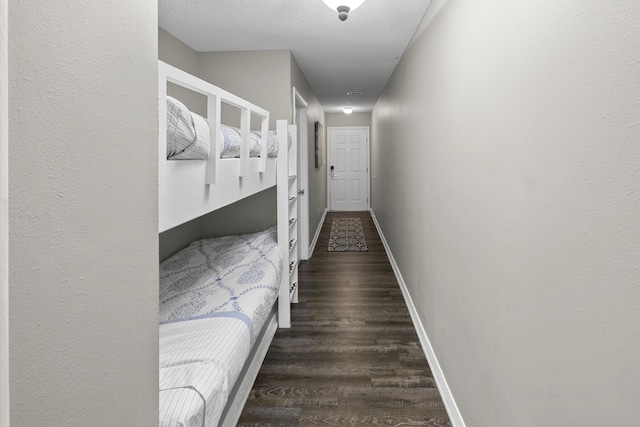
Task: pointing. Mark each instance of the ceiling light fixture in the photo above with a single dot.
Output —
(347, 110)
(343, 7)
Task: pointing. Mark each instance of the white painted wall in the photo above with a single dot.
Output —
(83, 213)
(505, 149)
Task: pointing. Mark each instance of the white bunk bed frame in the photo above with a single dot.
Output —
(180, 199)
(188, 189)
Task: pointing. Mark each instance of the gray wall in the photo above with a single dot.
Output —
(346, 120)
(83, 213)
(261, 77)
(4, 218)
(506, 152)
(249, 215)
(174, 52)
(317, 191)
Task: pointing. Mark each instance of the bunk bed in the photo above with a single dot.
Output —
(221, 299)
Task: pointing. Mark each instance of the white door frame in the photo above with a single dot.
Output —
(368, 156)
(4, 215)
(300, 119)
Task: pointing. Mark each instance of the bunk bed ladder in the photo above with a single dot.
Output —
(287, 221)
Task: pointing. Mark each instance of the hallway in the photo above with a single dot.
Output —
(352, 356)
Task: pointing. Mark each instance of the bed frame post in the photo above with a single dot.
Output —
(292, 159)
(284, 302)
(162, 133)
(245, 131)
(264, 133)
(214, 108)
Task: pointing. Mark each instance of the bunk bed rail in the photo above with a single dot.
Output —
(185, 186)
(216, 97)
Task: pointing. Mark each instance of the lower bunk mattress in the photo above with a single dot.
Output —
(215, 297)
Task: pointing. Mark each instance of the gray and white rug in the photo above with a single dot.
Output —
(347, 236)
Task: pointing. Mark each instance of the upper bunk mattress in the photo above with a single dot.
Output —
(189, 136)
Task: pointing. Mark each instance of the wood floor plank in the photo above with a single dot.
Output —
(352, 356)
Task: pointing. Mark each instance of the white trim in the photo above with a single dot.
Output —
(445, 392)
(300, 106)
(4, 215)
(286, 169)
(315, 238)
(368, 168)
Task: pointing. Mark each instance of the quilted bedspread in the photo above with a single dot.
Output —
(233, 276)
(215, 296)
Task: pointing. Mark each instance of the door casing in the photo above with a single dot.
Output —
(300, 119)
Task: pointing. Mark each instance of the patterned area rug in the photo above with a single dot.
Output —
(347, 236)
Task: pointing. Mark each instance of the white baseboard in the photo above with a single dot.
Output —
(436, 370)
(315, 238)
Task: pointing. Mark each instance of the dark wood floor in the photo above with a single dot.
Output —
(352, 356)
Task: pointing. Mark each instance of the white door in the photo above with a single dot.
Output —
(348, 168)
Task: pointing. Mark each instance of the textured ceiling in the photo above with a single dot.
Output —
(356, 55)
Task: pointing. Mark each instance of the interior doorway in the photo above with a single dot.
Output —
(300, 119)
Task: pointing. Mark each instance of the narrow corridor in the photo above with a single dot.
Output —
(352, 356)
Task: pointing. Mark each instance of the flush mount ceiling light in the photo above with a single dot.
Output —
(343, 7)
(347, 110)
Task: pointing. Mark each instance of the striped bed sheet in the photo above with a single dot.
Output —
(215, 297)
(200, 361)
(189, 136)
